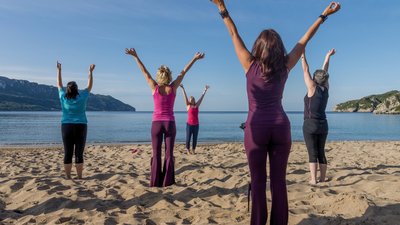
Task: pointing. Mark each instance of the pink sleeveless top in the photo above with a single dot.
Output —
(163, 106)
(193, 116)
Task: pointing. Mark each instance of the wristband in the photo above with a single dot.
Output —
(323, 18)
(224, 14)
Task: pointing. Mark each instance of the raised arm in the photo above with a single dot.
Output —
(90, 79)
(327, 58)
(59, 78)
(150, 81)
(242, 53)
(198, 103)
(184, 95)
(180, 77)
(296, 52)
(307, 76)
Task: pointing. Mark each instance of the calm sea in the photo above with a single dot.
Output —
(19, 128)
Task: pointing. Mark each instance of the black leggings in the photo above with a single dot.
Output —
(74, 139)
(315, 133)
(191, 130)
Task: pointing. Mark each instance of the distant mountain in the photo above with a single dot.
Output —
(22, 95)
(387, 103)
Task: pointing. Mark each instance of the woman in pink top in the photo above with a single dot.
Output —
(192, 125)
(163, 125)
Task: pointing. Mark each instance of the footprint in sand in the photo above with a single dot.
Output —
(17, 186)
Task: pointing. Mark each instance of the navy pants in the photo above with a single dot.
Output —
(275, 142)
(191, 130)
(162, 131)
(315, 133)
(74, 140)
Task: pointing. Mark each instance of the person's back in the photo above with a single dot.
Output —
(315, 106)
(163, 105)
(74, 109)
(265, 97)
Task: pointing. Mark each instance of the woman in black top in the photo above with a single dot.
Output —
(315, 127)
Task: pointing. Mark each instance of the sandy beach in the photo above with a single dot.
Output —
(363, 186)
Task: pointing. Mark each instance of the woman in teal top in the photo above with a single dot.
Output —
(74, 121)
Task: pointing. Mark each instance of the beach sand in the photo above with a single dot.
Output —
(363, 186)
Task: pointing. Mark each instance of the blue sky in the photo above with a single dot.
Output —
(37, 33)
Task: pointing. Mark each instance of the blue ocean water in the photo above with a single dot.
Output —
(19, 128)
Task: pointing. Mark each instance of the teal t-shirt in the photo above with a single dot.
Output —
(74, 110)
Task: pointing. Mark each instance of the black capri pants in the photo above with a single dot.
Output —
(315, 133)
(74, 139)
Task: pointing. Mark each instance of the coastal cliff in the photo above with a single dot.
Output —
(387, 103)
(22, 95)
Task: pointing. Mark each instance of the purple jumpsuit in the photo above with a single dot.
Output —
(267, 132)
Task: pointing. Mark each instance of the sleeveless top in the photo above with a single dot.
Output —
(163, 106)
(193, 116)
(314, 106)
(74, 110)
(265, 98)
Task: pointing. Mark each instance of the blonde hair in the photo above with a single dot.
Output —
(164, 75)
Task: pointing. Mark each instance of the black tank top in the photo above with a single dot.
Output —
(314, 107)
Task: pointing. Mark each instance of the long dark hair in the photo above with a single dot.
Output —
(72, 90)
(269, 51)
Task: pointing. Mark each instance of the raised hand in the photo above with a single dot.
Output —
(332, 8)
(219, 3)
(199, 55)
(91, 67)
(331, 52)
(207, 87)
(58, 65)
(131, 51)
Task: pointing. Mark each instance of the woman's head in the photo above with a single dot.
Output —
(192, 101)
(269, 51)
(72, 90)
(164, 75)
(321, 77)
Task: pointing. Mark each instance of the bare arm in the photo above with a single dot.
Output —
(307, 76)
(90, 79)
(150, 81)
(59, 78)
(185, 96)
(242, 53)
(180, 77)
(327, 58)
(198, 103)
(296, 52)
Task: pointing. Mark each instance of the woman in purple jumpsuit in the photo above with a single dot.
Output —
(267, 129)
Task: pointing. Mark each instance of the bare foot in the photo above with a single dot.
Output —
(313, 182)
(321, 181)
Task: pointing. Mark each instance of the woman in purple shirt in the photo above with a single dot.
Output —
(163, 125)
(267, 129)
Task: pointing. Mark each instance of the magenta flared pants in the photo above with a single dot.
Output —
(162, 176)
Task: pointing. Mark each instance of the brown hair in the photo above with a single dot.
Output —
(269, 51)
(72, 90)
